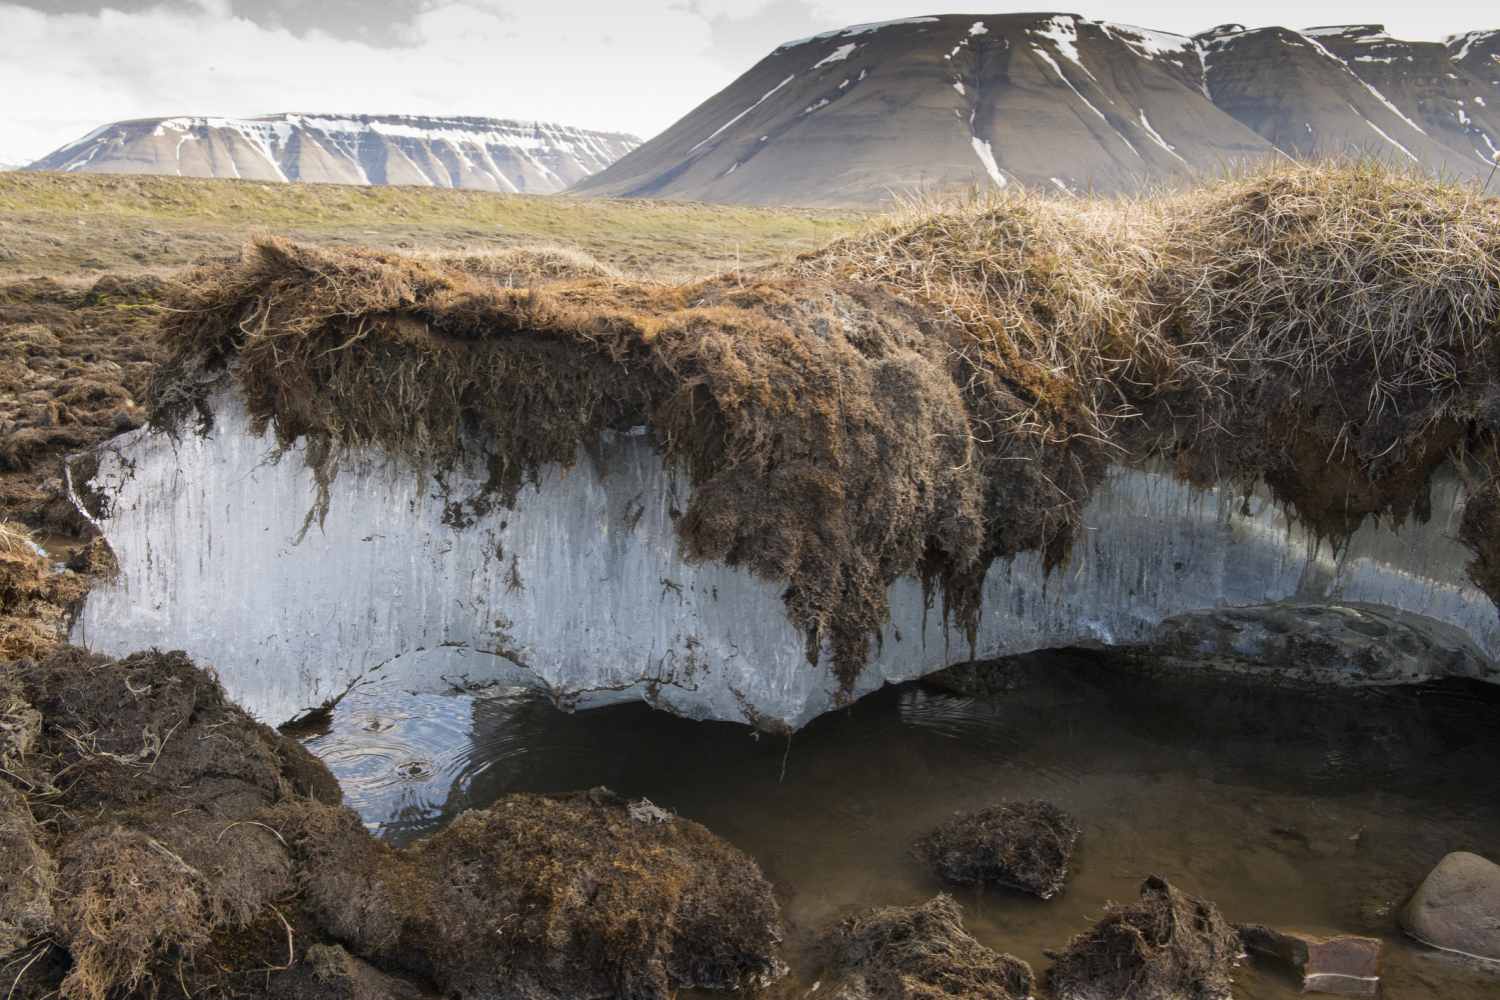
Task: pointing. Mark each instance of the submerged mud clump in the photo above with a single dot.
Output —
(1020, 845)
(920, 400)
(158, 841)
(916, 953)
(1167, 945)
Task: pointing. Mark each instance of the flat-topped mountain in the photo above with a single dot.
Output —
(853, 115)
(485, 153)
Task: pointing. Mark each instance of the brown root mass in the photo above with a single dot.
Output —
(1165, 946)
(1021, 845)
(159, 842)
(939, 392)
(919, 953)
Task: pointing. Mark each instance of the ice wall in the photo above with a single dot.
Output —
(581, 587)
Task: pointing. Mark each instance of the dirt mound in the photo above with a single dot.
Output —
(1022, 845)
(158, 841)
(35, 600)
(919, 953)
(1165, 946)
(920, 400)
(546, 897)
(149, 783)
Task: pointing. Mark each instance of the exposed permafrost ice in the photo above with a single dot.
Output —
(582, 588)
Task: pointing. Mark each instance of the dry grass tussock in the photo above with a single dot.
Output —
(939, 391)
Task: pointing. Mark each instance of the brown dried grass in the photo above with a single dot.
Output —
(919, 953)
(940, 391)
(1167, 945)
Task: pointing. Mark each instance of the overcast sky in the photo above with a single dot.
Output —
(627, 65)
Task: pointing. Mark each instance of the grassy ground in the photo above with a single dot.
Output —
(59, 224)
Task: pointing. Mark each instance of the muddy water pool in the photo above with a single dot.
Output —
(1314, 810)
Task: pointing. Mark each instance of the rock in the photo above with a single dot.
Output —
(1022, 845)
(919, 952)
(1348, 644)
(1168, 945)
(1345, 965)
(1457, 907)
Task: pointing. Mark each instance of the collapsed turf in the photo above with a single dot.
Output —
(938, 393)
(156, 841)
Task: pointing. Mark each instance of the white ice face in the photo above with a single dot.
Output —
(582, 588)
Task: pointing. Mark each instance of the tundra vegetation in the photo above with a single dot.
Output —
(925, 395)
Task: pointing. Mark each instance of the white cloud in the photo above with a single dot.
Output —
(616, 69)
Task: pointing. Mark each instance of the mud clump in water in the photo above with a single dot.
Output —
(1167, 945)
(1021, 845)
(925, 398)
(158, 841)
(917, 952)
(546, 896)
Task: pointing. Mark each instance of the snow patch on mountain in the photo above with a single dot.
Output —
(447, 151)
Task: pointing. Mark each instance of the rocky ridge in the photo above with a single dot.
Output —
(1062, 102)
(481, 153)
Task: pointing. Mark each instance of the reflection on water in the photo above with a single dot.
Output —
(1314, 810)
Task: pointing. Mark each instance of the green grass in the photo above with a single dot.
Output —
(60, 223)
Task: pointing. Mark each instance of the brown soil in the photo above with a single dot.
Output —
(1165, 946)
(75, 359)
(1019, 845)
(919, 953)
(925, 398)
(35, 599)
(160, 842)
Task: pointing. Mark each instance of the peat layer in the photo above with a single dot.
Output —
(157, 841)
(937, 393)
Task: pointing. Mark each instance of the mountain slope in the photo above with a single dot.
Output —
(852, 116)
(482, 153)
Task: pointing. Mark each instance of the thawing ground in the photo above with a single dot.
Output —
(1312, 810)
